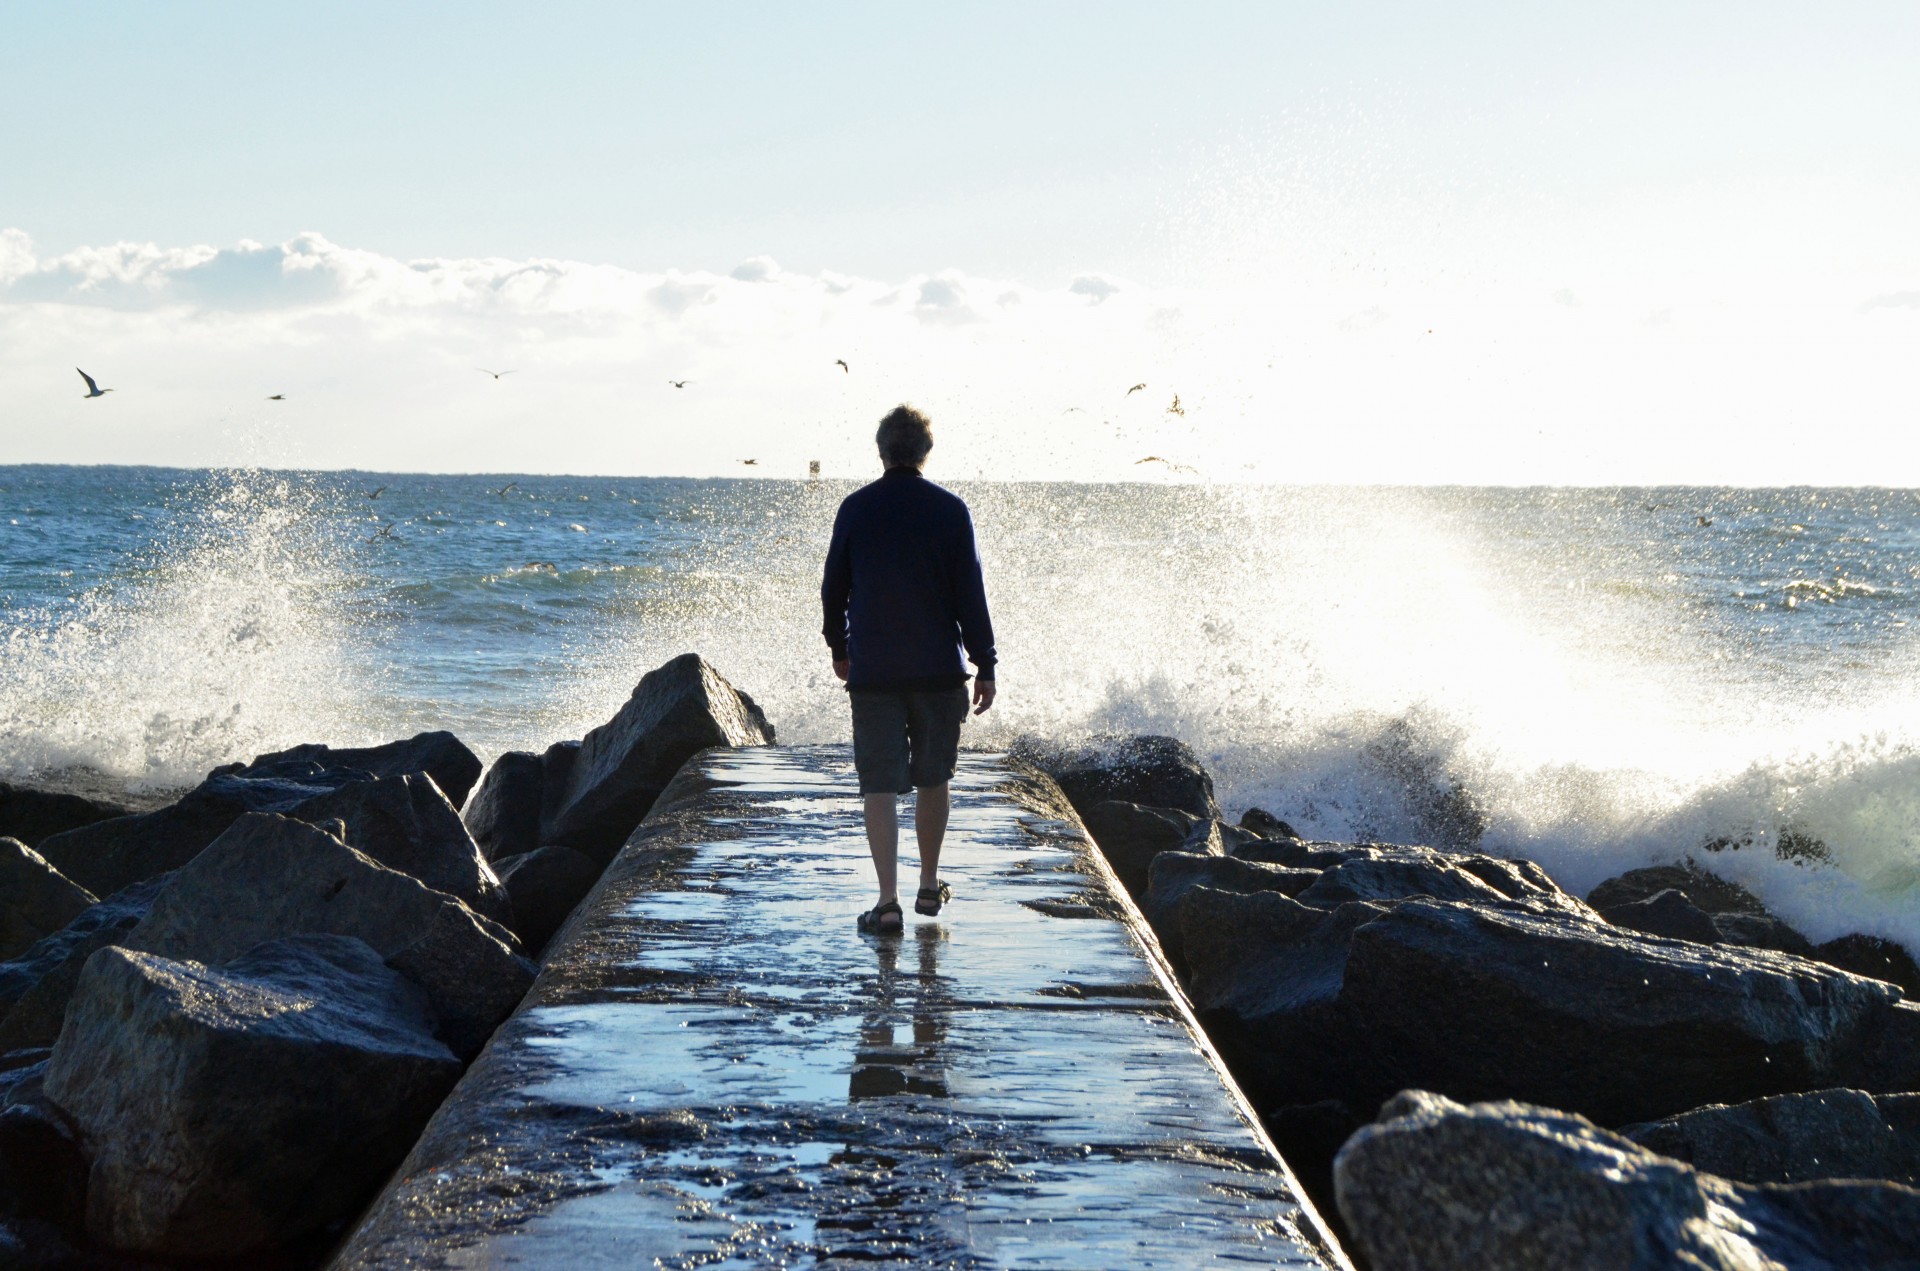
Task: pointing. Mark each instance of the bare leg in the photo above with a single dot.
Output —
(883, 840)
(930, 807)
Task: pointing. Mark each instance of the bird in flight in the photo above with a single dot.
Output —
(93, 389)
(496, 374)
(1136, 388)
(1071, 410)
(751, 463)
(278, 397)
(377, 493)
(679, 383)
(1170, 464)
(842, 364)
(1176, 408)
(502, 491)
(386, 531)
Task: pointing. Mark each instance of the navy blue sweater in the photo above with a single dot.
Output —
(902, 590)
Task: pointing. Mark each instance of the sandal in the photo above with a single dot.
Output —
(874, 921)
(930, 899)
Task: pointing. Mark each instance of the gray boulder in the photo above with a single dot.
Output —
(556, 773)
(1522, 999)
(440, 755)
(1794, 1138)
(1153, 771)
(1436, 1186)
(1131, 836)
(1873, 956)
(1665, 913)
(503, 816)
(1171, 875)
(1395, 876)
(676, 711)
(32, 814)
(1708, 892)
(406, 823)
(35, 986)
(271, 876)
(545, 886)
(36, 899)
(1757, 931)
(1266, 824)
(228, 1111)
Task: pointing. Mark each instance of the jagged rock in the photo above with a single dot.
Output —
(1666, 913)
(31, 814)
(226, 1111)
(1755, 931)
(1707, 891)
(545, 886)
(111, 855)
(1520, 999)
(43, 1174)
(36, 899)
(1793, 1138)
(556, 771)
(1160, 772)
(440, 755)
(21, 1072)
(1437, 1186)
(271, 876)
(1130, 836)
(1871, 955)
(504, 813)
(35, 986)
(676, 711)
(1266, 824)
(1171, 875)
(407, 824)
(1383, 876)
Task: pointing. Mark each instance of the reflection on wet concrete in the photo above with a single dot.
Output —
(716, 1070)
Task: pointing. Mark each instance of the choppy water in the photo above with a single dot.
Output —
(1616, 676)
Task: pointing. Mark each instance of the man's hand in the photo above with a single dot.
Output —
(982, 696)
(840, 668)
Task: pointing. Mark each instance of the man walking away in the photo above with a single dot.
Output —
(902, 595)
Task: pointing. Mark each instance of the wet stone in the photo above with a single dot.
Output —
(716, 1069)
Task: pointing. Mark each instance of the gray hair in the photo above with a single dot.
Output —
(904, 438)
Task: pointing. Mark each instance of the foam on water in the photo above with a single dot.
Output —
(1593, 679)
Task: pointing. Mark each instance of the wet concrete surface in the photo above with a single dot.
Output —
(715, 1070)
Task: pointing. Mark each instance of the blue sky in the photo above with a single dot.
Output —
(1480, 169)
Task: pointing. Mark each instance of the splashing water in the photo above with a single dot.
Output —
(1593, 679)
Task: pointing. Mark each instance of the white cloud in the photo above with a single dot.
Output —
(375, 358)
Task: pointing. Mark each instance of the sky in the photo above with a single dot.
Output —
(1455, 243)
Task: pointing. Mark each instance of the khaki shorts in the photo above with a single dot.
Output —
(907, 738)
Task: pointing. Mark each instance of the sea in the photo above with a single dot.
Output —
(1596, 679)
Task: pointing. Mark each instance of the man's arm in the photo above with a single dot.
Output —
(836, 588)
(976, 625)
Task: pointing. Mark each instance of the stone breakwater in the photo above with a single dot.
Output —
(226, 1018)
(1475, 1069)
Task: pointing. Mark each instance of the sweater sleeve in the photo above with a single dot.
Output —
(970, 604)
(836, 588)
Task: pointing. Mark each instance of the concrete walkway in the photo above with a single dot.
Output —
(715, 1070)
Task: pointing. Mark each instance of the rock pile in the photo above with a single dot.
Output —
(291, 965)
(1334, 976)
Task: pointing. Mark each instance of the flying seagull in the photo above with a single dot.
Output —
(1170, 464)
(1136, 388)
(502, 491)
(842, 364)
(278, 397)
(679, 383)
(377, 493)
(750, 462)
(496, 374)
(386, 531)
(93, 389)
